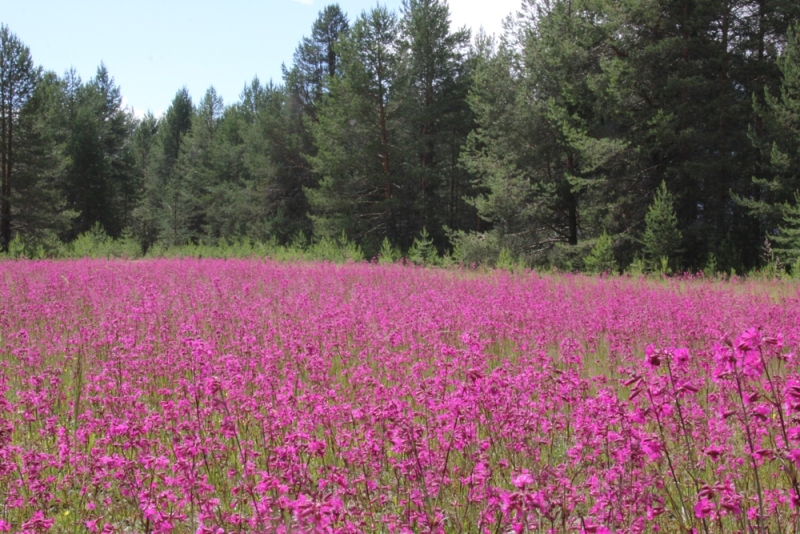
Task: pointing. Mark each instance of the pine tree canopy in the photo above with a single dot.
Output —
(590, 135)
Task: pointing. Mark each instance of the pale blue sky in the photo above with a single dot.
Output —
(152, 48)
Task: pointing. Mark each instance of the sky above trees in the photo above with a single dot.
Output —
(152, 48)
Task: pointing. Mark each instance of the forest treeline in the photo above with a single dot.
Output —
(593, 134)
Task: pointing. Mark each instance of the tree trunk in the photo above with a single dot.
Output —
(572, 206)
(384, 133)
(573, 221)
(721, 149)
(385, 155)
(5, 190)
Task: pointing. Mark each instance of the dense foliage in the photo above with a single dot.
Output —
(533, 144)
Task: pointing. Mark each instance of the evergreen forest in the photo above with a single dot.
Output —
(595, 135)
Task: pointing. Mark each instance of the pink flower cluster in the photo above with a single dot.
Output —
(249, 396)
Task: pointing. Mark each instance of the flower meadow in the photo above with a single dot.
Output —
(217, 396)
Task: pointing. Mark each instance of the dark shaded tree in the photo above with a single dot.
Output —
(161, 215)
(776, 134)
(357, 122)
(551, 162)
(433, 81)
(315, 59)
(18, 79)
(39, 208)
(101, 181)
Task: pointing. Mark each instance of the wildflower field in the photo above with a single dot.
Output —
(219, 396)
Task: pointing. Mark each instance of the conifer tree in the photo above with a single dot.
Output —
(662, 238)
(354, 136)
(317, 62)
(601, 259)
(39, 208)
(101, 181)
(547, 159)
(433, 80)
(276, 142)
(18, 80)
(144, 148)
(788, 237)
(315, 59)
(162, 213)
(203, 166)
(777, 135)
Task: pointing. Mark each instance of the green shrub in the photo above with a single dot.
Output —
(423, 251)
(601, 259)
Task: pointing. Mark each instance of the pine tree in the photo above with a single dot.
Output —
(777, 135)
(202, 164)
(433, 81)
(100, 178)
(144, 149)
(317, 62)
(277, 147)
(161, 214)
(679, 84)
(266, 142)
(547, 159)
(315, 59)
(662, 238)
(39, 209)
(354, 138)
(18, 80)
(788, 238)
(601, 259)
